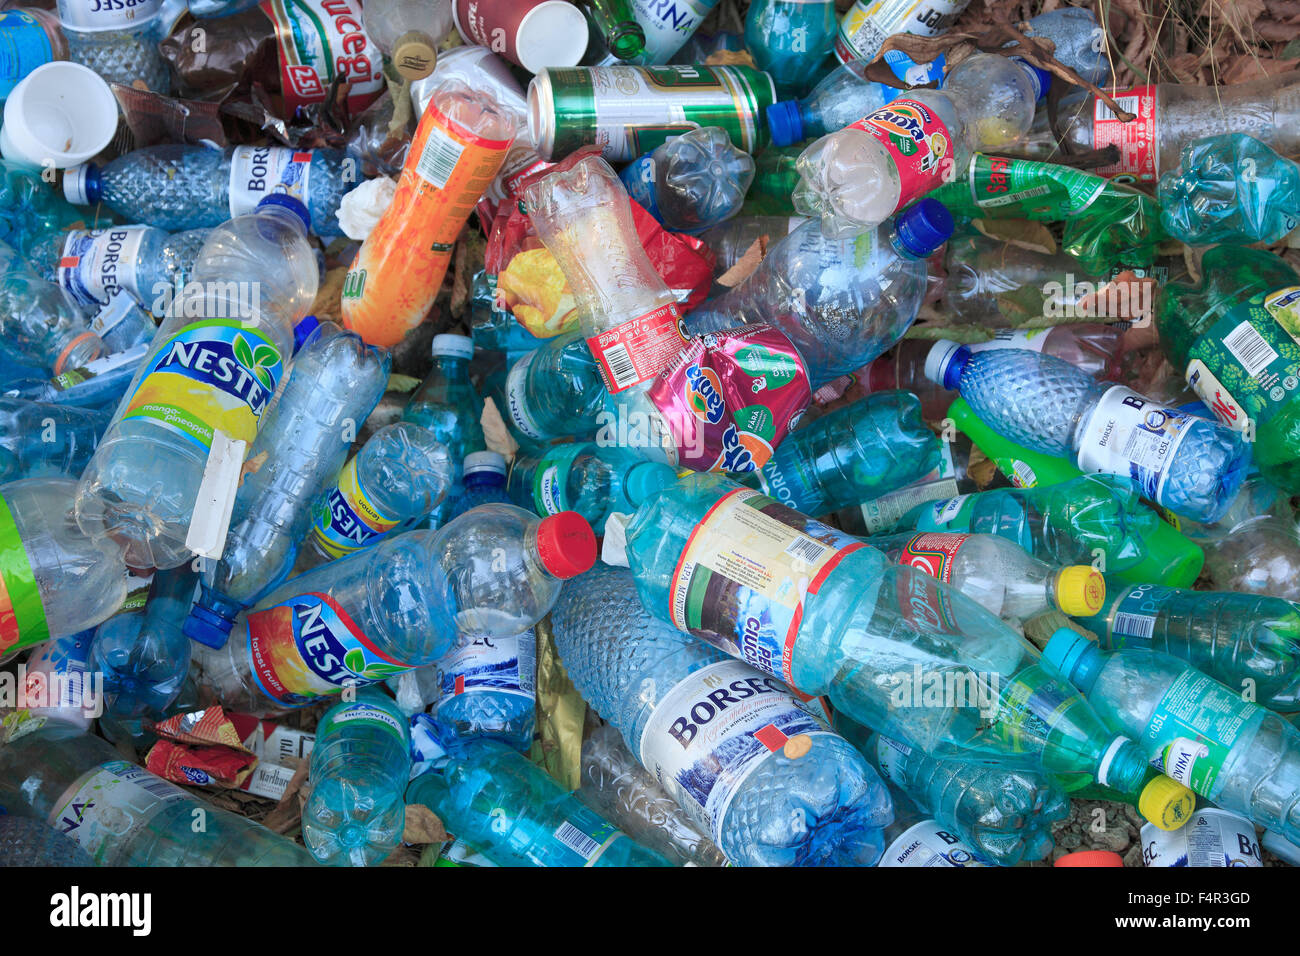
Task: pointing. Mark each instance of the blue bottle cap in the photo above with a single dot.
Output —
(208, 626)
(923, 227)
(645, 479)
(1044, 79)
(303, 331)
(784, 123)
(288, 202)
(1074, 657)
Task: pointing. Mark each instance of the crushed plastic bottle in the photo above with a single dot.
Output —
(693, 181)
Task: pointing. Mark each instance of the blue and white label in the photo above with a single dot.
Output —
(668, 24)
(639, 178)
(502, 665)
(96, 264)
(1211, 838)
(96, 16)
(928, 844)
(260, 171)
(517, 398)
(110, 802)
(1129, 434)
(1134, 618)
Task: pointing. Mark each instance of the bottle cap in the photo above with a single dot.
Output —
(784, 123)
(414, 55)
(303, 331)
(483, 461)
(1065, 653)
(456, 346)
(1166, 803)
(945, 361)
(553, 33)
(923, 227)
(645, 479)
(284, 201)
(81, 184)
(208, 626)
(1090, 858)
(1080, 590)
(566, 544)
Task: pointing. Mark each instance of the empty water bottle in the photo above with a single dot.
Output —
(28, 842)
(117, 41)
(555, 390)
(483, 480)
(39, 440)
(40, 331)
(591, 480)
(791, 41)
(693, 181)
(487, 688)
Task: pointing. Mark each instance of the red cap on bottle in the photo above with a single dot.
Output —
(566, 544)
(1090, 858)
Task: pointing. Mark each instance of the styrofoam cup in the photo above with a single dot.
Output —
(61, 114)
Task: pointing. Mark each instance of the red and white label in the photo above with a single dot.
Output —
(638, 350)
(918, 142)
(933, 553)
(1135, 139)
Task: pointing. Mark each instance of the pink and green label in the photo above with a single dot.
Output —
(918, 142)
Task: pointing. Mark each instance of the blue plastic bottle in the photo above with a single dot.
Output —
(484, 481)
(585, 478)
(765, 775)
(117, 41)
(40, 440)
(555, 390)
(488, 688)
(360, 765)
(691, 182)
(1193, 466)
(792, 40)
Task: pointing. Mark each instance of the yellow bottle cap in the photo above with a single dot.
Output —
(1080, 590)
(1166, 803)
(414, 55)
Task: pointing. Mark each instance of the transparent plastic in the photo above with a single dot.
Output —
(39, 440)
(406, 31)
(791, 40)
(488, 690)
(693, 181)
(556, 390)
(38, 329)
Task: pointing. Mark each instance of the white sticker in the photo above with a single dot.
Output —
(928, 844)
(98, 263)
(1129, 434)
(945, 511)
(502, 665)
(95, 16)
(109, 803)
(516, 398)
(1211, 838)
(215, 501)
(260, 171)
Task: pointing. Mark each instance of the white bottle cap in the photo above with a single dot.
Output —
(936, 362)
(457, 346)
(551, 34)
(61, 114)
(74, 184)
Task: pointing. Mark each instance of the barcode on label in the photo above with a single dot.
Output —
(805, 549)
(577, 841)
(439, 158)
(1129, 104)
(1134, 625)
(621, 368)
(1249, 348)
(159, 788)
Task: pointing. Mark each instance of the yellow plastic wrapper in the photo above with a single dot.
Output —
(535, 290)
(561, 714)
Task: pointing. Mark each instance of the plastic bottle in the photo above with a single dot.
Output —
(457, 151)
(142, 483)
(914, 840)
(624, 792)
(27, 842)
(1246, 641)
(120, 43)
(29, 208)
(691, 182)
(791, 40)
(400, 475)
(1190, 465)
(868, 23)
(733, 238)
(60, 686)
(854, 298)
(402, 604)
(336, 381)
(360, 765)
(1094, 348)
(856, 178)
(555, 390)
(484, 477)
(1164, 802)
(513, 813)
(38, 330)
(121, 814)
(447, 405)
(1260, 557)
(668, 28)
(770, 781)
(487, 688)
(34, 37)
(851, 455)
(408, 32)
(175, 187)
(1235, 753)
(1210, 838)
(849, 640)
(591, 480)
(38, 440)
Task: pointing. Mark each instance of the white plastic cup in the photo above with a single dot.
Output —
(61, 114)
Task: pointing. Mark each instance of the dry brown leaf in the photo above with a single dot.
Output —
(422, 825)
(1255, 67)
(1033, 236)
(1239, 16)
(745, 265)
(252, 466)
(495, 434)
(329, 297)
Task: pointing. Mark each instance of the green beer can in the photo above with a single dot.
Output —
(630, 110)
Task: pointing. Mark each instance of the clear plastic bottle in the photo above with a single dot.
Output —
(484, 478)
(1259, 557)
(1235, 753)
(335, 382)
(141, 485)
(29, 208)
(770, 781)
(669, 27)
(176, 187)
(867, 23)
(408, 32)
(28, 842)
(841, 302)
(691, 182)
(791, 40)
(402, 604)
(38, 440)
(511, 811)
(71, 696)
(38, 329)
(360, 765)
(488, 688)
(555, 390)
(1192, 466)
(123, 814)
(733, 238)
(583, 477)
(117, 41)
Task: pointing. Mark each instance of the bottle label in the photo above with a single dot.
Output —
(551, 478)
(95, 16)
(84, 373)
(98, 263)
(460, 853)
(517, 398)
(892, 755)
(502, 665)
(870, 22)
(918, 143)
(1024, 188)
(374, 717)
(1246, 367)
(1031, 339)
(950, 514)
(1195, 725)
(24, 46)
(1030, 706)
(1134, 618)
(923, 602)
(347, 520)
(110, 802)
(1129, 434)
(933, 552)
(639, 349)
(668, 25)
(1211, 838)
(308, 646)
(744, 574)
(116, 311)
(1136, 139)
(215, 374)
(639, 179)
(928, 844)
(712, 730)
(320, 41)
(260, 171)
(22, 616)
(583, 836)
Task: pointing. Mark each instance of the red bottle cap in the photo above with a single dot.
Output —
(1090, 858)
(566, 544)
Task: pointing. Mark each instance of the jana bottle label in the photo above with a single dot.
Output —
(1136, 139)
(319, 41)
(917, 141)
(928, 844)
(22, 616)
(1211, 838)
(24, 45)
(110, 802)
(867, 25)
(1133, 621)
(1246, 367)
(933, 553)
(639, 349)
(216, 374)
(709, 733)
(348, 520)
(260, 171)
(745, 573)
(376, 718)
(1131, 435)
(95, 16)
(96, 264)
(502, 665)
(517, 399)
(1195, 725)
(308, 646)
